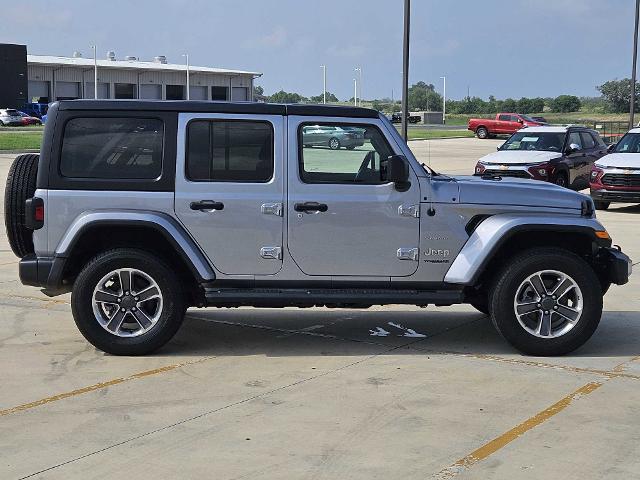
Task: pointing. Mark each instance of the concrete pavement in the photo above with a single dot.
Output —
(318, 393)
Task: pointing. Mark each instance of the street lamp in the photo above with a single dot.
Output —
(444, 100)
(186, 56)
(359, 70)
(355, 92)
(324, 83)
(633, 72)
(95, 71)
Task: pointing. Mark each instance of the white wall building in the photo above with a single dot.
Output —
(53, 78)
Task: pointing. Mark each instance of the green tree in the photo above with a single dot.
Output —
(566, 103)
(286, 97)
(258, 90)
(422, 96)
(617, 94)
(509, 105)
(320, 98)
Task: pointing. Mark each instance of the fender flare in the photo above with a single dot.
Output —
(171, 230)
(485, 241)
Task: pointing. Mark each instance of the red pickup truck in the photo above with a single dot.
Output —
(503, 124)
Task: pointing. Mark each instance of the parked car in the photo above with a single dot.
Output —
(10, 117)
(397, 118)
(243, 214)
(561, 155)
(503, 124)
(29, 120)
(616, 177)
(332, 137)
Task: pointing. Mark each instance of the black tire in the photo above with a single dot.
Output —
(171, 313)
(600, 205)
(351, 147)
(514, 274)
(481, 304)
(334, 144)
(21, 185)
(482, 133)
(561, 179)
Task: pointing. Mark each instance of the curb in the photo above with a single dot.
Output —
(18, 152)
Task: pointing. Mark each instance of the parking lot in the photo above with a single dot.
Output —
(390, 392)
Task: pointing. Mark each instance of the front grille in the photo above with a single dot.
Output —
(507, 173)
(621, 180)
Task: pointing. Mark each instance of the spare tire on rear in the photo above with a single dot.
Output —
(21, 185)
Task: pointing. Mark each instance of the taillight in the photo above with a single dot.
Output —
(34, 213)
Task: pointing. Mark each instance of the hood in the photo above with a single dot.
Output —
(518, 157)
(622, 160)
(516, 191)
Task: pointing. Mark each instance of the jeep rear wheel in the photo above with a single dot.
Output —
(547, 301)
(21, 185)
(127, 302)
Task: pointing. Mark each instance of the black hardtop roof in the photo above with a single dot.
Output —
(219, 107)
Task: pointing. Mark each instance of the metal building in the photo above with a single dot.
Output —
(53, 78)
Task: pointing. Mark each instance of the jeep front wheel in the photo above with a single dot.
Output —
(127, 302)
(546, 302)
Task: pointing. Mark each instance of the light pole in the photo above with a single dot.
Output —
(444, 100)
(186, 56)
(95, 71)
(633, 72)
(324, 83)
(355, 92)
(405, 69)
(359, 70)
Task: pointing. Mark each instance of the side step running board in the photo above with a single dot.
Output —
(277, 297)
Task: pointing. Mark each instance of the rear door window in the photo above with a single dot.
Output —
(112, 148)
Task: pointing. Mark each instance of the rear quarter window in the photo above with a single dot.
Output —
(112, 148)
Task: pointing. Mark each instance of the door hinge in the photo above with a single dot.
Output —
(272, 209)
(409, 211)
(408, 254)
(273, 253)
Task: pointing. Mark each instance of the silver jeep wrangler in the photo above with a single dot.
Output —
(142, 209)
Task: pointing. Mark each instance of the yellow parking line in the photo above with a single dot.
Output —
(497, 443)
(99, 386)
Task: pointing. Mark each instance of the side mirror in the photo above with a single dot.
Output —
(612, 147)
(397, 171)
(520, 120)
(573, 148)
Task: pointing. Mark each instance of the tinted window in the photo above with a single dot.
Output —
(574, 138)
(342, 154)
(117, 148)
(234, 151)
(505, 118)
(587, 140)
(528, 140)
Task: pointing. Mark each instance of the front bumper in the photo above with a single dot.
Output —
(621, 196)
(615, 266)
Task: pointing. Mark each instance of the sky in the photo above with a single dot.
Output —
(505, 48)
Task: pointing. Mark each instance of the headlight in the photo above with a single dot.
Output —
(480, 168)
(594, 174)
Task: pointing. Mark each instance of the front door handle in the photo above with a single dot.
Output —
(206, 205)
(310, 207)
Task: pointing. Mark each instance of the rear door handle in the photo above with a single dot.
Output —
(206, 205)
(310, 207)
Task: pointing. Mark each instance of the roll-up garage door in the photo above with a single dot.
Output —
(103, 90)
(151, 92)
(67, 90)
(38, 89)
(198, 93)
(239, 94)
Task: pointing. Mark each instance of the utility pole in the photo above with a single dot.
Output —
(186, 56)
(633, 72)
(359, 70)
(405, 70)
(324, 83)
(355, 92)
(444, 99)
(95, 71)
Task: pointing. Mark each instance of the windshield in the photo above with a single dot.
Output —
(630, 143)
(540, 141)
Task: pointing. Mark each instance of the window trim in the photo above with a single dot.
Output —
(335, 124)
(228, 120)
(103, 179)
